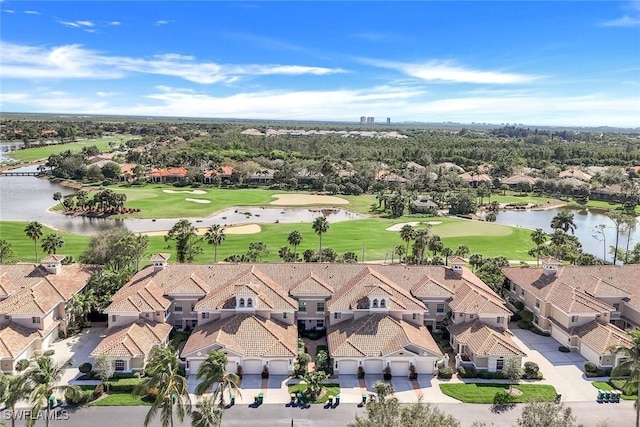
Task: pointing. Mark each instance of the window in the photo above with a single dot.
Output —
(383, 303)
(146, 315)
(499, 365)
(535, 319)
(119, 365)
(205, 315)
(114, 318)
(440, 308)
(522, 292)
(193, 306)
(616, 306)
(574, 319)
(320, 323)
(177, 323)
(337, 315)
(302, 306)
(471, 316)
(177, 309)
(241, 302)
(537, 303)
(415, 316)
(249, 302)
(284, 315)
(499, 319)
(7, 317)
(35, 319)
(320, 307)
(375, 303)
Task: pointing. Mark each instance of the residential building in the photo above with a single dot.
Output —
(33, 306)
(374, 315)
(584, 308)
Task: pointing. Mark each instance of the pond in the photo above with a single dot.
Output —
(586, 220)
(28, 199)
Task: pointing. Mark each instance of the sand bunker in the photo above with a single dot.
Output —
(238, 229)
(434, 222)
(398, 227)
(197, 200)
(184, 191)
(307, 199)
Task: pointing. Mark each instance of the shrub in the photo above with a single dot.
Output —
(519, 305)
(502, 398)
(524, 324)
(467, 372)
(97, 392)
(61, 335)
(85, 368)
(445, 372)
(564, 349)
(76, 400)
(22, 365)
(490, 375)
(590, 367)
(531, 368)
(526, 315)
(49, 352)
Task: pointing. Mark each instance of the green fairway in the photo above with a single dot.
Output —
(369, 235)
(485, 392)
(165, 201)
(43, 152)
(13, 232)
(518, 198)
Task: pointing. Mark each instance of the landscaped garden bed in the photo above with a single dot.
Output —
(615, 384)
(329, 389)
(485, 393)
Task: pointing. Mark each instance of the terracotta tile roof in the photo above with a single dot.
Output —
(134, 340)
(484, 340)
(517, 178)
(312, 285)
(377, 335)
(574, 300)
(71, 279)
(38, 299)
(247, 335)
(160, 257)
(53, 258)
(575, 173)
(602, 336)
(457, 260)
(138, 298)
(15, 338)
(476, 300)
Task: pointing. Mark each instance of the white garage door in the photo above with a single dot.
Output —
(193, 366)
(252, 366)
(232, 367)
(399, 368)
(589, 354)
(424, 366)
(559, 335)
(373, 367)
(278, 367)
(347, 367)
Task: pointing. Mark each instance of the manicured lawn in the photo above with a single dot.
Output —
(13, 232)
(485, 392)
(368, 234)
(512, 197)
(332, 389)
(37, 153)
(120, 399)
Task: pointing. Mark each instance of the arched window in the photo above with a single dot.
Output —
(383, 303)
(241, 302)
(249, 302)
(375, 303)
(119, 365)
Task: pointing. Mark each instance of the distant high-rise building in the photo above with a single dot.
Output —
(370, 120)
(388, 120)
(363, 120)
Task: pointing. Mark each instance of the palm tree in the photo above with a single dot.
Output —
(619, 220)
(564, 221)
(52, 242)
(631, 365)
(294, 239)
(14, 389)
(43, 378)
(420, 243)
(462, 251)
(57, 196)
(164, 379)
(320, 226)
(212, 371)
(539, 237)
(446, 253)
(33, 230)
(206, 414)
(407, 234)
(81, 304)
(630, 225)
(215, 236)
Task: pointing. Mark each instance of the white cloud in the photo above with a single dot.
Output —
(32, 12)
(9, 11)
(447, 71)
(84, 25)
(114, 23)
(625, 21)
(162, 22)
(74, 61)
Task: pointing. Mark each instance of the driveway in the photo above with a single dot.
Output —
(562, 370)
(77, 348)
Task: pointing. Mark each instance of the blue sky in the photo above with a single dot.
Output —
(538, 63)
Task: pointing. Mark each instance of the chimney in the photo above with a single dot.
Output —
(457, 265)
(53, 263)
(159, 261)
(550, 266)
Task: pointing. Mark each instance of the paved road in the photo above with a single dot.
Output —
(587, 413)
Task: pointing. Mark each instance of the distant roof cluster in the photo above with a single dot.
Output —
(317, 133)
